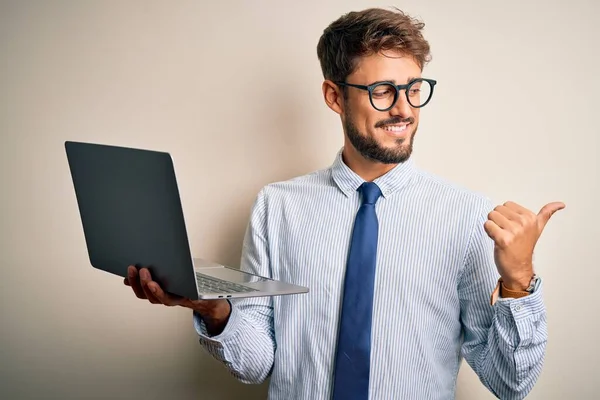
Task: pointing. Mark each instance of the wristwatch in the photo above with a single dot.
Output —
(504, 292)
(532, 284)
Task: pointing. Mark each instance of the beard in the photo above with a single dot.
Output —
(369, 148)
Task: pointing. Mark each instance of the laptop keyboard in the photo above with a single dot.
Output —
(209, 284)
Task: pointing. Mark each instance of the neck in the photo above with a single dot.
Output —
(367, 169)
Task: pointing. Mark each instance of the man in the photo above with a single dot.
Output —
(401, 265)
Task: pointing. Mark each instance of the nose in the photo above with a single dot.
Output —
(402, 108)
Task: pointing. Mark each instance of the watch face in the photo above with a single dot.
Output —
(532, 284)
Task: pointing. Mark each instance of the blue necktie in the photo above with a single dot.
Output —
(353, 356)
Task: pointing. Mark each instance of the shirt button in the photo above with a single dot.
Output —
(517, 308)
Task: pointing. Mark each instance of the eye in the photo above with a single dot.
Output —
(383, 91)
(415, 88)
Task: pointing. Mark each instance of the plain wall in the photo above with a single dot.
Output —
(233, 90)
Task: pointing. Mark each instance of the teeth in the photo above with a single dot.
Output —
(395, 128)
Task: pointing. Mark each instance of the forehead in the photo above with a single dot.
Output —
(390, 65)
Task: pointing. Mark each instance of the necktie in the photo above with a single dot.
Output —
(352, 363)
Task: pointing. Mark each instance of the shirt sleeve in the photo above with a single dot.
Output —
(504, 343)
(247, 344)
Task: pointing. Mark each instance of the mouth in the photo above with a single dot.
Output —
(397, 130)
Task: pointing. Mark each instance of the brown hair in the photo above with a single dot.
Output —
(361, 33)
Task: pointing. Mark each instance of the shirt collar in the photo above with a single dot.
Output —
(348, 181)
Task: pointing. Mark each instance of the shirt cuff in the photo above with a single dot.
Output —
(233, 323)
(523, 307)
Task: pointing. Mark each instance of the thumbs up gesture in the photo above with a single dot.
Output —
(515, 231)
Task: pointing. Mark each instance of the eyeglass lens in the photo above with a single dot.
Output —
(384, 95)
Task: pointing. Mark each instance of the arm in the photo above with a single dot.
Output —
(505, 342)
(246, 345)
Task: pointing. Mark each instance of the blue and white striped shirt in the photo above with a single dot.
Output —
(435, 274)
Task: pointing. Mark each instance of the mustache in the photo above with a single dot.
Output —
(394, 121)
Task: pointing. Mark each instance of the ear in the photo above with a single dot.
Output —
(333, 96)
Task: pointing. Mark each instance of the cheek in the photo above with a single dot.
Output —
(372, 117)
(365, 122)
(363, 114)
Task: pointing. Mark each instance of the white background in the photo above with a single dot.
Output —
(233, 90)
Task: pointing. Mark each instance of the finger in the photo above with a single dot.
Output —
(165, 298)
(145, 279)
(548, 211)
(499, 219)
(492, 229)
(500, 236)
(517, 208)
(509, 213)
(134, 282)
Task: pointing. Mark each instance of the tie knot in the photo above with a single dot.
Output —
(370, 192)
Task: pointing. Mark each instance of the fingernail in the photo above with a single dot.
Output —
(153, 289)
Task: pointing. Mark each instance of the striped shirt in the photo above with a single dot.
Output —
(435, 274)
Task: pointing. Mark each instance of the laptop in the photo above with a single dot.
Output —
(131, 213)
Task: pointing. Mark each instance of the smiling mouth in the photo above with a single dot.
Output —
(395, 128)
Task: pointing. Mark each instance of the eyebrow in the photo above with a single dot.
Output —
(409, 79)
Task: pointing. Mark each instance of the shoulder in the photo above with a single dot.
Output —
(293, 193)
(451, 194)
(296, 187)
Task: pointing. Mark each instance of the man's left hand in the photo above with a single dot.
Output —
(515, 231)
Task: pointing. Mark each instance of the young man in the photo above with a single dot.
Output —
(401, 265)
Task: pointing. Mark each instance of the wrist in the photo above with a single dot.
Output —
(515, 290)
(516, 285)
(519, 282)
(214, 310)
(216, 318)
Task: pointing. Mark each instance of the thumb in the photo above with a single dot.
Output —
(547, 211)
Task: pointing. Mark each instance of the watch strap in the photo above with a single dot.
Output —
(504, 292)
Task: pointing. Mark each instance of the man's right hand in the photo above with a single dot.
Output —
(215, 313)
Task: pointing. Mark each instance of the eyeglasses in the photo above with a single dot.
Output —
(384, 95)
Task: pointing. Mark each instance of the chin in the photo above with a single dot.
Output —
(382, 147)
(397, 153)
(389, 155)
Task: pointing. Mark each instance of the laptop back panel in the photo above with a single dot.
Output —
(131, 213)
